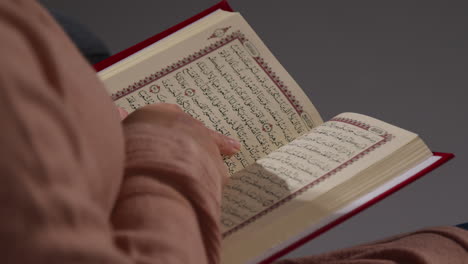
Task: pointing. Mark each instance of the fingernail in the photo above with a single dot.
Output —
(122, 112)
(234, 144)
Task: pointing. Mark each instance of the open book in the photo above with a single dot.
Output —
(295, 176)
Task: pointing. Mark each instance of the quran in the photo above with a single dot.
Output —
(295, 176)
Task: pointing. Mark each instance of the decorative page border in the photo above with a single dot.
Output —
(386, 137)
(203, 52)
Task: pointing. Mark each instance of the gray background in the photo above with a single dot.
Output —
(404, 62)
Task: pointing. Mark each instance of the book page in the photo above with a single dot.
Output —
(266, 199)
(224, 76)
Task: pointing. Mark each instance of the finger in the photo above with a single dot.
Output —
(122, 112)
(227, 146)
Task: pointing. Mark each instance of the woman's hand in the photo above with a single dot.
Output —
(171, 116)
(172, 187)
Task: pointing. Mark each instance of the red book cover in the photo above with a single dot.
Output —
(439, 159)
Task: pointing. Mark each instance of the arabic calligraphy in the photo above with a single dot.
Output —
(291, 168)
(229, 92)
